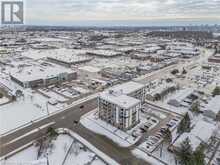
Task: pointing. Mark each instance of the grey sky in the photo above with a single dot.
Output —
(68, 12)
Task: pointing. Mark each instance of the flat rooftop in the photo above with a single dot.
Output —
(91, 69)
(103, 52)
(71, 59)
(61, 53)
(42, 70)
(128, 87)
(119, 99)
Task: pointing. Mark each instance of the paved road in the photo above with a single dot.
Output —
(66, 119)
(62, 119)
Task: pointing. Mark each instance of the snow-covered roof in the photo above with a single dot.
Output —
(103, 52)
(182, 94)
(213, 105)
(70, 58)
(62, 53)
(90, 69)
(35, 72)
(197, 134)
(161, 87)
(128, 87)
(119, 99)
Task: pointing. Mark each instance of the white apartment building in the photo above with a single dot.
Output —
(119, 105)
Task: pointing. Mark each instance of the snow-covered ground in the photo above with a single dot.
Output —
(24, 110)
(96, 125)
(122, 138)
(66, 149)
(3, 100)
(163, 154)
(142, 155)
(53, 95)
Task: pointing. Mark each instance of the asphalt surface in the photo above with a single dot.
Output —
(63, 119)
(67, 119)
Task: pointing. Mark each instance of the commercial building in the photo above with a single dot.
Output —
(69, 61)
(120, 105)
(89, 72)
(44, 74)
(103, 53)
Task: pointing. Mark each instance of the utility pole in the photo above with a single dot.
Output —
(47, 160)
(48, 113)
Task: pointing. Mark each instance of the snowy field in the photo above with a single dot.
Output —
(64, 150)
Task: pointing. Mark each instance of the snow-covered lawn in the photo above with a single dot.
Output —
(3, 100)
(24, 110)
(163, 154)
(66, 149)
(96, 125)
(142, 155)
(122, 138)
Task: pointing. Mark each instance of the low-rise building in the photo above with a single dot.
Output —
(183, 97)
(44, 74)
(89, 72)
(132, 89)
(69, 61)
(103, 53)
(196, 136)
(212, 109)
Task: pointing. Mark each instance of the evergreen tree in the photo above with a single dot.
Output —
(216, 91)
(185, 153)
(199, 156)
(175, 71)
(184, 125)
(52, 132)
(1, 95)
(168, 136)
(184, 71)
(218, 116)
(195, 107)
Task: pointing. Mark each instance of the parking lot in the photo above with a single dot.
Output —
(155, 136)
(213, 152)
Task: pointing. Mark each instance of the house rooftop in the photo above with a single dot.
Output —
(197, 134)
(214, 104)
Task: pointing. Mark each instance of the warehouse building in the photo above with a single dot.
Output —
(44, 74)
